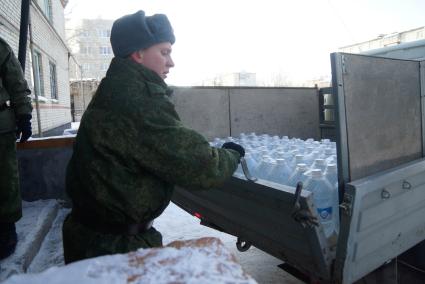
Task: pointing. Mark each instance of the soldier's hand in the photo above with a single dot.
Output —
(238, 148)
(23, 127)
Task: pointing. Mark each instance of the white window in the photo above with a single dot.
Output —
(86, 66)
(104, 66)
(38, 74)
(47, 9)
(53, 81)
(85, 49)
(104, 33)
(105, 50)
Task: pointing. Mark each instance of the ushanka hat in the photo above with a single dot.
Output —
(136, 31)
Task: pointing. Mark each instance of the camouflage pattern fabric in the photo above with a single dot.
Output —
(80, 242)
(130, 151)
(10, 197)
(13, 89)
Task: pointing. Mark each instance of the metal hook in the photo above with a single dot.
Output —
(246, 171)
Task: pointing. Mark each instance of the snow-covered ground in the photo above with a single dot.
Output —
(174, 224)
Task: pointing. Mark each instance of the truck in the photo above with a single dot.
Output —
(379, 125)
(379, 119)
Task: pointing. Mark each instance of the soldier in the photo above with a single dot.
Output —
(131, 148)
(15, 122)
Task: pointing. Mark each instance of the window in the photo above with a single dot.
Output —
(104, 66)
(85, 50)
(86, 66)
(53, 81)
(105, 50)
(47, 9)
(85, 33)
(104, 33)
(38, 74)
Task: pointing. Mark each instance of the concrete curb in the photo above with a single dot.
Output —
(34, 225)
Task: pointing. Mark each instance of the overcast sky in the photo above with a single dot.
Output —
(293, 38)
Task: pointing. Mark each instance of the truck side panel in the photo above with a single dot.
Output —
(380, 140)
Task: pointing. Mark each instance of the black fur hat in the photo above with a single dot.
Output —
(136, 31)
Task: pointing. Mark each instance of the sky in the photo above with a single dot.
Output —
(291, 39)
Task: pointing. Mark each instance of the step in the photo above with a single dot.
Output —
(32, 228)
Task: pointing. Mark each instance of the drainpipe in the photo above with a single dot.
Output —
(36, 86)
(23, 33)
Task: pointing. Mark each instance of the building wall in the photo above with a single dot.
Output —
(227, 111)
(91, 48)
(49, 42)
(386, 40)
(82, 92)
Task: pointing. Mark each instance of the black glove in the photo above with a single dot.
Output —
(238, 148)
(23, 127)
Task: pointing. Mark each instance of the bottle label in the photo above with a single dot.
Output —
(325, 213)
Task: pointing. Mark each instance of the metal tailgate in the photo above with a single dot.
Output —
(260, 213)
(380, 149)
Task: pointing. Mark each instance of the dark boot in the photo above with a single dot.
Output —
(8, 239)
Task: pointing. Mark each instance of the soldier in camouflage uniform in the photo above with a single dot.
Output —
(15, 122)
(131, 148)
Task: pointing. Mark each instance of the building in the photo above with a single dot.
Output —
(386, 40)
(82, 91)
(46, 60)
(90, 45)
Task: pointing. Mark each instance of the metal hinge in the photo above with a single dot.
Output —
(344, 67)
(347, 204)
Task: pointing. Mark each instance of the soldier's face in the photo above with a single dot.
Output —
(158, 58)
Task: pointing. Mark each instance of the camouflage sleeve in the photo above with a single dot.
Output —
(177, 154)
(14, 81)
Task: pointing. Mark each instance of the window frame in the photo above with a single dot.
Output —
(38, 74)
(53, 81)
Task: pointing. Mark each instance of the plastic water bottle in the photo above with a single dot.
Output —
(309, 158)
(264, 167)
(319, 164)
(298, 159)
(280, 172)
(251, 163)
(298, 175)
(323, 198)
(331, 174)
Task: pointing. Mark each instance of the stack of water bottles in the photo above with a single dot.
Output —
(287, 161)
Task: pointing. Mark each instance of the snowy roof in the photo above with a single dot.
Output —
(204, 260)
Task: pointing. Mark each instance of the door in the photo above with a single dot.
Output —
(380, 146)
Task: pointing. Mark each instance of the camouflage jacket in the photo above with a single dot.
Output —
(13, 89)
(131, 149)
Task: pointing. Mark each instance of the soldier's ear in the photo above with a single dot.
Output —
(137, 56)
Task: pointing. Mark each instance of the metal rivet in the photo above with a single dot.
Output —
(406, 185)
(385, 194)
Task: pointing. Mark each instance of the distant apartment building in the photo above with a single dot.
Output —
(91, 56)
(91, 48)
(385, 40)
(47, 62)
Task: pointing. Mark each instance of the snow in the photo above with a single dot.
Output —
(51, 251)
(31, 229)
(174, 224)
(198, 261)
